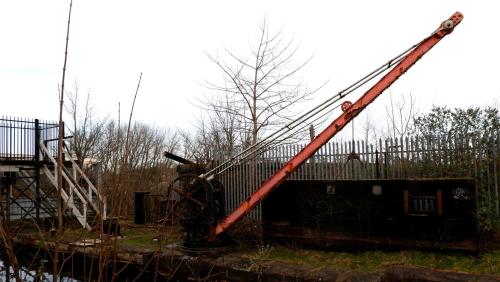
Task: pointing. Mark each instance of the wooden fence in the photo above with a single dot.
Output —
(400, 158)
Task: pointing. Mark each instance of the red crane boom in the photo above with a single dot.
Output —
(350, 112)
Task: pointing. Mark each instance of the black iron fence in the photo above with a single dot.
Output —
(19, 137)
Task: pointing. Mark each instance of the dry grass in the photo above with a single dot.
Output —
(373, 261)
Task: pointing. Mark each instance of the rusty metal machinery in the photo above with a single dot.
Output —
(199, 203)
(395, 68)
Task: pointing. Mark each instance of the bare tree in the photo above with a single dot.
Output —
(262, 86)
(218, 135)
(400, 115)
(369, 127)
(200, 145)
(145, 157)
(85, 127)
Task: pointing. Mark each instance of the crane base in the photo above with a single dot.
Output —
(217, 248)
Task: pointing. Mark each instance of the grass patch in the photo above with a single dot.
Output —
(79, 233)
(138, 237)
(373, 261)
(132, 236)
(143, 237)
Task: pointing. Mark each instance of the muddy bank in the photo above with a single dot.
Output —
(237, 269)
(172, 265)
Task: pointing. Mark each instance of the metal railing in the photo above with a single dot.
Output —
(28, 148)
(19, 137)
(397, 158)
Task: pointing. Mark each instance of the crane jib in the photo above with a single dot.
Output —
(340, 122)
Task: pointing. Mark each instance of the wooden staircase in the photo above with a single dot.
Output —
(78, 194)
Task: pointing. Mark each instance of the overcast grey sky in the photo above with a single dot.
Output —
(111, 42)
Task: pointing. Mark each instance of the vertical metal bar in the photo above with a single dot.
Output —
(279, 155)
(27, 128)
(26, 139)
(342, 160)
(325, 162)
(386, 154)
(351, 149)
(294, 151)
(9, 145)
(223, 177)
(307, 175)
(320, 166)
(298, 148)
(369, 149)
(248, 181)
(309, 164)
(20, 131)
(379, 151)
(9, 142)
(394, 157)
(311, 170)
(230, 176)
(347, 147)
(302, 169)
(315, 171)
(361, 158)
(37, 140)
(236, 172)
(350, 171)
(306, 166)
(330, 160)
(366, 159)
(370, 159)
(333, 160)
(2, 136)
(37, 169)
(15, 144)
(18, 138)
(399, 157)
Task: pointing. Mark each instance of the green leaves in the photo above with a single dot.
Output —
(473, 122)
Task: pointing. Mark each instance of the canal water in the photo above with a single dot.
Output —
(35, 265)
(37, 272)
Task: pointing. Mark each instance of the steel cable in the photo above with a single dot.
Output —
(271, 142)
